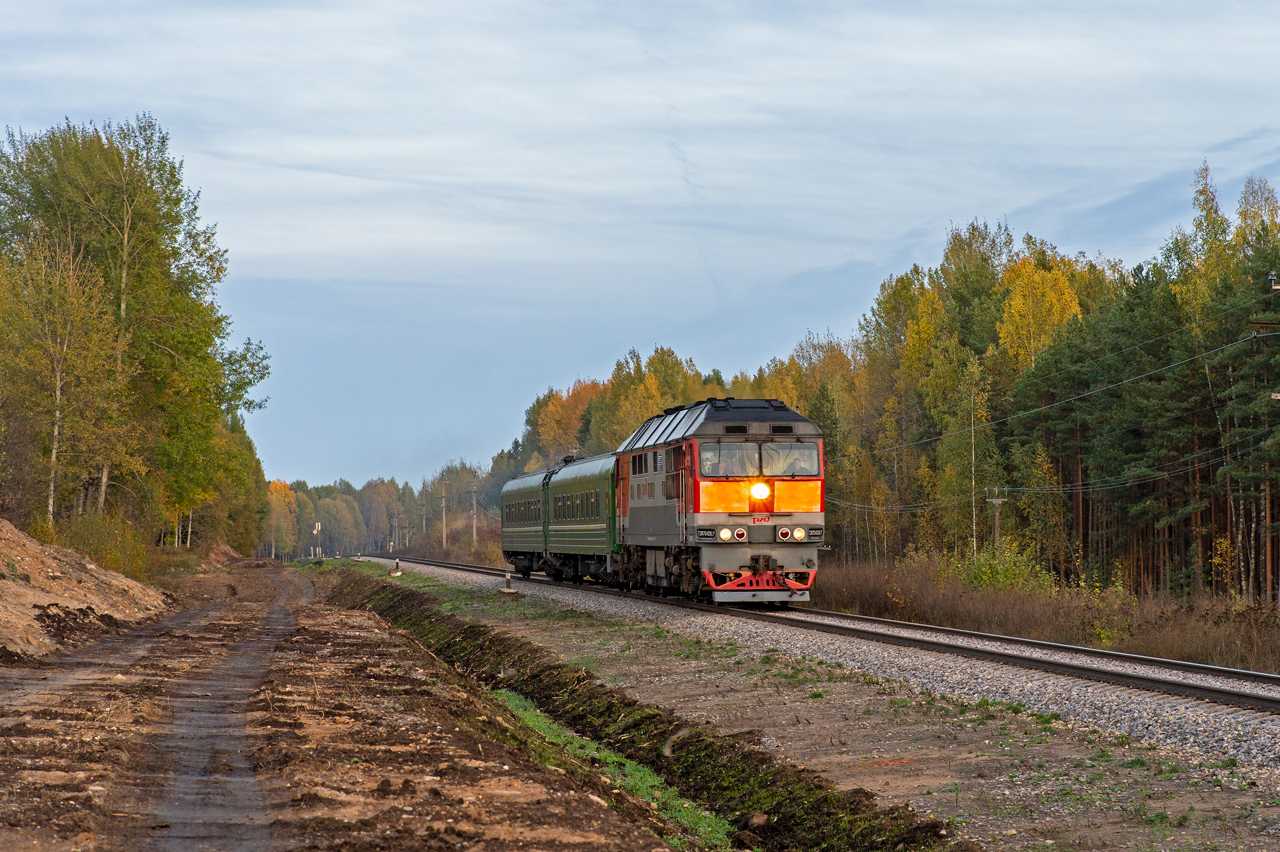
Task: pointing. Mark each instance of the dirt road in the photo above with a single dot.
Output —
(254, 719)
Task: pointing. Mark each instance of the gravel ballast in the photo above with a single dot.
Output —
(1214, 731)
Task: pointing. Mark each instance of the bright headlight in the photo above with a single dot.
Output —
(798, 534)
(725, 533)
(759, 491)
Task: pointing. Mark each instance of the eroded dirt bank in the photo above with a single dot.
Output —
(52, 598)
(253, 718)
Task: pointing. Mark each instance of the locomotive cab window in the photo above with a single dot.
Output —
(789, 459)
(716, 459)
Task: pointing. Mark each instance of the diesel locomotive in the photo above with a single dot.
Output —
(720, 500)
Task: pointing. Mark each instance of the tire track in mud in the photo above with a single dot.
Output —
(102, 659)
(211, 798)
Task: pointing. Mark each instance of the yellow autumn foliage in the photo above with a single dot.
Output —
(1039, 301)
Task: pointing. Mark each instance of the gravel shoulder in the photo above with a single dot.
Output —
(1016, 760)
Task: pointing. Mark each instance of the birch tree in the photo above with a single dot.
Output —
(115, 196)
(56, 355)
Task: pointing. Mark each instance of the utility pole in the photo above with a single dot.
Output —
(474, 487)
(1269, 581)
(424, 509)
(996, 501)
(444, 522)
(973, 475)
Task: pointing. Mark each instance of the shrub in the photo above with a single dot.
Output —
(109, 540)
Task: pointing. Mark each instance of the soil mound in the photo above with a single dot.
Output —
(51, 597)
(221, 556)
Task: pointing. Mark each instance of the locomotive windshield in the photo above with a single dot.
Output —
(729, 459)
(748, 459)
(789, 459)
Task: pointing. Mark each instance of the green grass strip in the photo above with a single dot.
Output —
(711, 831)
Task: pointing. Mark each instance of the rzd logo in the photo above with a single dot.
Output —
(760, 520)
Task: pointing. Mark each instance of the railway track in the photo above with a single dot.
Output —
(1232, 687)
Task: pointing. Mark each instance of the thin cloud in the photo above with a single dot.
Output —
(612, 175)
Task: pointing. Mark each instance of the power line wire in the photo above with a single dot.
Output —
(1073, 488)
(1029, 412)
(1101, 358)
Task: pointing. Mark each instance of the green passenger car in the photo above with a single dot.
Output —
(522, 527)
(562, 520)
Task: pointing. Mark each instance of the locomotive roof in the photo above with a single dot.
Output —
(710, 416)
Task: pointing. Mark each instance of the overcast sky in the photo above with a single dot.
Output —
(434, 210)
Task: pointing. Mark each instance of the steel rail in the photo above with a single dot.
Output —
(1265, 678)
(1147, 683)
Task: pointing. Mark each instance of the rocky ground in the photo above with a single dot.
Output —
(1004, 776)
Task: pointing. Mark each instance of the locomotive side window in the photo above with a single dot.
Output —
(715, 459)
(789, 459)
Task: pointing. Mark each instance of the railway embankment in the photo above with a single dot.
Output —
(1010, 758)
(775, 803)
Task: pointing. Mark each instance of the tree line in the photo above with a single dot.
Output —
(1121, 416)
(121, 397)
(382, 515)
(1118, 419)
